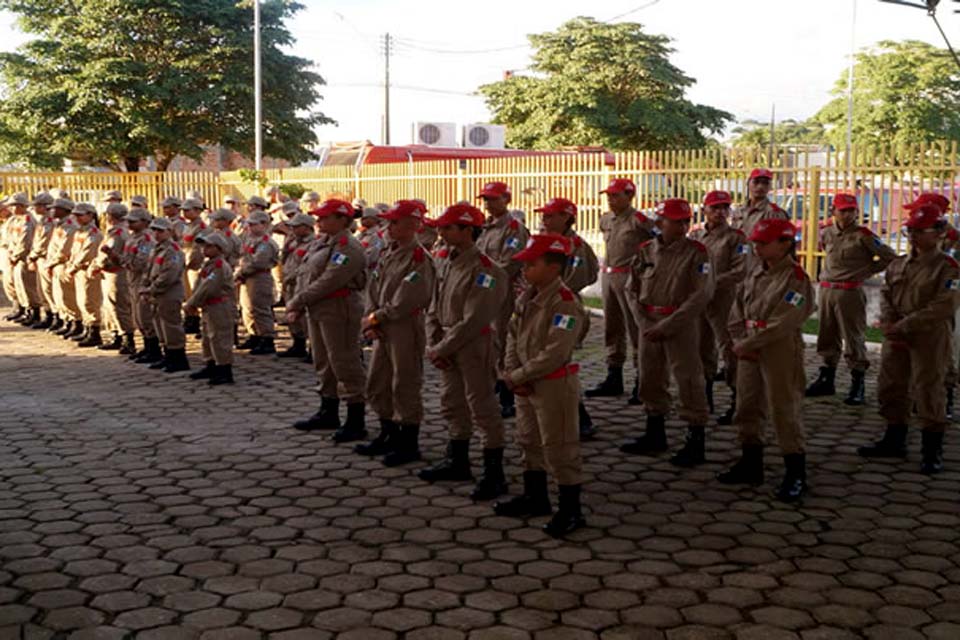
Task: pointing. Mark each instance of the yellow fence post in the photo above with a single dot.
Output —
(812, 232)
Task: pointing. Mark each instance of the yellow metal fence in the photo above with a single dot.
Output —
(805, 180)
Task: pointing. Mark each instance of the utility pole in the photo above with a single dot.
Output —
(853, 50)
(386, 88)
(257, 92)
(773, 122)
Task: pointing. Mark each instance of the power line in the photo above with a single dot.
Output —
(632, 11)
(403, 87)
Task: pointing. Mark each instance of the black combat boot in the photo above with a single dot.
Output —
(857, 388)
(635, 394)
(251, 342)
(651, 442)
(191, 325)
(31, 316)
(492, 483)
(534, 501)
(16, 314)
(455, 467)
(508, 406)
(127, 346)
(156, 365)
(222, 374)
(65, 329)
(407, 448)
(612, 386)
(264, 347)
(176, 361)
(950, 403)
(355, 428)
(113, 344)
(892, 445)
(80, 337)
(385, 442)
(326, 417)
(692, 453)
(823, 385)
(708, 389)
(794, 483)
(43, 323)
(568, 517)
(205, 373)
(297, 350)
(92, 339)
(587, 430)
(747, 470)
(727, 418)
(57, 324)
(932, 449)
(153, 353)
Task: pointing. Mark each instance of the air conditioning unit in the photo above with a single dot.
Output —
(484, 136)
(435, 134)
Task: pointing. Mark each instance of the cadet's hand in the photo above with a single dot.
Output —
(189, 309)
(653, 335)
(292, 316)
(371, 333)
(743, 354)
(889, 329)
(437, 361)
(522, 390)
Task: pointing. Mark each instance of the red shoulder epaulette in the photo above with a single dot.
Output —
(952, 234)
(953, 263)
(343, 241)
(699, 245)
(188, 238)
(118, 232)
(228, 233)
(485, 261)
(641, 217)
(147, 236)
(566, 294)
(219, 263)
(203, 225)
(514, 224)
(94, 229)
(645, 243)
(867, 232)
(799, 272)
(443, 253)
(740, 233)
(776, 207)
(365, 244)
(266, 238)
(176, 246)
(301, 253)
(577, 241)
(418, 254)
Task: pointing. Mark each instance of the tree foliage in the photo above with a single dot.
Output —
(109, 82)
(601, 84)
(753, 133)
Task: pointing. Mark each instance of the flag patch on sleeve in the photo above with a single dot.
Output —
(513, 243)
(704, 268)
(743, 249)
(413, 276)
(340, 259)
(794, 298)
(953, 285)
(575, 261)
(564, 322)
(486, 281)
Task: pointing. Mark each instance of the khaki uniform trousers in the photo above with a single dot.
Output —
(772, 387)
(190, 278)
(298, 329)
(117, 305)
(65, 294)
(466, 393)
(843, 323)
(952, 375)
(89, 297)
(45, 282)
(395, 374)
(142, 311)
(28, 292)
(913, 374)
(618, 320)
(9, 286)
(502, 326)
(715, 338)
(217, 322)
(680, 355)
(334, 337)
(168, 322)
(547, 429)
(256, 303)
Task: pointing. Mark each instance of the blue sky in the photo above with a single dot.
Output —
(745, 54)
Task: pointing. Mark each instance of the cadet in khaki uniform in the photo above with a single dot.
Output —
(214, 294)
(334, 278)
(558, 216)
(136, 263)
(766, 322)
(502, 237)
(170, 207)
(757, 207)
(919, 299)
(294, 254)
(398, 295)
(467, 300)
(20, 231)
(138, 202)
(623, 228)
(309, 201)
(280, 216)
(543, 334)
(52, 263)
(260, 254)
(9, 286)
(727, 249)
(427, 235)
(221, 220)
(370, 236)
(853, 254)
(193, 227)
(163, 287)
(669, 287)
(117, 302)
(86, 245)
(42, 234)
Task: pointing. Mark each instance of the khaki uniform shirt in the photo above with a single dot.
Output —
(501, 239)
(920, 292)
(622, 234)
(727, 248)
(372, 242)
(336, 263)
(61, 244)
(234, 246)
(260, 255)
(42, 235)
(671, 283)
(402, 284)
(179, 227)
(853, 254)
(164, 279)
(136, 256)
(214, 284)
(294, 254)
(583, 268)
(544, 332)
(86, 244)
(747, 216)
(470, 291)
(427, 237)
(772, 305)
(116, 240)
(191, 250)
(20, 236)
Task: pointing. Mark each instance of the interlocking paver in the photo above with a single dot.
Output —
(166, 521)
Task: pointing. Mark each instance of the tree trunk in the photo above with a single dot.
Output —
(131, 164)
(164, 160)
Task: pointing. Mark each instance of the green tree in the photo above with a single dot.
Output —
(903, 92)
(753, 133)
(109, 82)
(601, 84)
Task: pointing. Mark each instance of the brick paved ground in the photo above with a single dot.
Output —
(135, 504)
